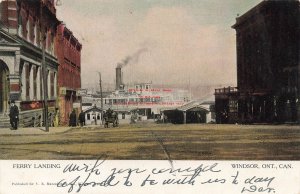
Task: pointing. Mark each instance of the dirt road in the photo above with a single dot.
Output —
(159, 141)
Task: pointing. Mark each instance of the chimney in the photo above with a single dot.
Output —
(118, 78)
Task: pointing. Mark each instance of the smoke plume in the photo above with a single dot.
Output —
(134, 58)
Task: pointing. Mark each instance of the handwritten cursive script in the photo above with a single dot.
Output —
(98, 175)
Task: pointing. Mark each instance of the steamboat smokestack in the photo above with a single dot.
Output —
(118, 78)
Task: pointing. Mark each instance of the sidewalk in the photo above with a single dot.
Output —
(33, 130)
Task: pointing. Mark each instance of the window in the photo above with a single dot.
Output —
(44, 37)
(88, 117)
(51, 84)
(233, 105)
(55, 84)
(27, 79)
(20, 24)
(34, 82)
(37, 34)
(48, 84)
(40, 78)
(27, 30)
(23, 21)
(48, 41)
(31, 29)
(98, 117)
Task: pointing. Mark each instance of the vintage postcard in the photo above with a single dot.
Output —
(143, 96)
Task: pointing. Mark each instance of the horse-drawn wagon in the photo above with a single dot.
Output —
(110, 117)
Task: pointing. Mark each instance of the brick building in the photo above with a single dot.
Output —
(268, 66)
(21, 25)
(68, 50)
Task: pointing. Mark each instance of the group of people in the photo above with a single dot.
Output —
(73, 119)
(14, 116)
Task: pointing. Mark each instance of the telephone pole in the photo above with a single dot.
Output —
(101, 97)
(44, 69)
(44, 65)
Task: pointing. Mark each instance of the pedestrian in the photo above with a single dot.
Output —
(199, 118)
(81, 118)
(56, 119)
(14, 115)
(72, 121)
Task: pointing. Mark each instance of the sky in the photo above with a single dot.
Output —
(163, 41)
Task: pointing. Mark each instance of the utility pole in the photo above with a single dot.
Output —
(44, 69)
(101, 97)
(43, 39)
(190, 89)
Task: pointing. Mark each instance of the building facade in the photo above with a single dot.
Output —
(268, 66)
(92, 115)
(68, 51)
(27, 26)
(193, 112)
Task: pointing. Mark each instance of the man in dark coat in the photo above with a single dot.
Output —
(72, 121)
(81, 118)
(14, 115)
